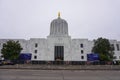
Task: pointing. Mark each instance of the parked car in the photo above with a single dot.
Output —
(7, 62)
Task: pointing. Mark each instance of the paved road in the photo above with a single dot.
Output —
(12, 74)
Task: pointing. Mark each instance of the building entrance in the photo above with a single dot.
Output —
(59, 53)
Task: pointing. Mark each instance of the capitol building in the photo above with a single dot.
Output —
(59, 45)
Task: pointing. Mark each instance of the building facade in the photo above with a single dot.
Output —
(59, 46)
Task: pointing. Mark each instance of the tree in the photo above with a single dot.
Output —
(103, 48)
(11, 50)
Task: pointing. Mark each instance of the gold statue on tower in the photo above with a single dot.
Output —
(58, 14)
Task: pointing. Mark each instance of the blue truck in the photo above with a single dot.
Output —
(25, 56)
(93, 57)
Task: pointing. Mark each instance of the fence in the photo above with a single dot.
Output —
(70, 62)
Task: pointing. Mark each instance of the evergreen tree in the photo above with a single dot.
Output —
(11, 50)
(103, 47)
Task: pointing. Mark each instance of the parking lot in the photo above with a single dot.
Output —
(20, 74)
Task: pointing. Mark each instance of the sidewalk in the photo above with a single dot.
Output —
(61, 67)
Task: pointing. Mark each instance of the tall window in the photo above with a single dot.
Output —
(115, 57)
(59, 52)
(35, 57)
(82, 51)
(117, 45)
(36, 45)
(81, 45)
(82, 57)
(112, 45)
(35, 51)
(0, 44)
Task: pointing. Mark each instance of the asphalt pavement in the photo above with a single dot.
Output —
(22, 74)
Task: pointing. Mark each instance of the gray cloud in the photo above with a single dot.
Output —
(86, 18)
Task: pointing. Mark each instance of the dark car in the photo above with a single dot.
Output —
(0, 63)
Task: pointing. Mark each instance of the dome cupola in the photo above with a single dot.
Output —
(59, 27)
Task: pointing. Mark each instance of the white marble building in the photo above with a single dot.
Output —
(59, 46)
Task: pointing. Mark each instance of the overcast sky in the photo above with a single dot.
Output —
(25, 19)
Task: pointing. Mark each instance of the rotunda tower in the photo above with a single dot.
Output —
(59, 27)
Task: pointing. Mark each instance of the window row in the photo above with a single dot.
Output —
(35, 57)
(82, 46)
(36, 51)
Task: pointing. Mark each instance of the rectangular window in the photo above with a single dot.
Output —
(0, 44)
(36, 45)
(35, 51)
(112, 46)
(82, 57)
(115, 57)
(35, 57)
(59, 52)
(82, 51)
(81, 45)
(117, 45)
